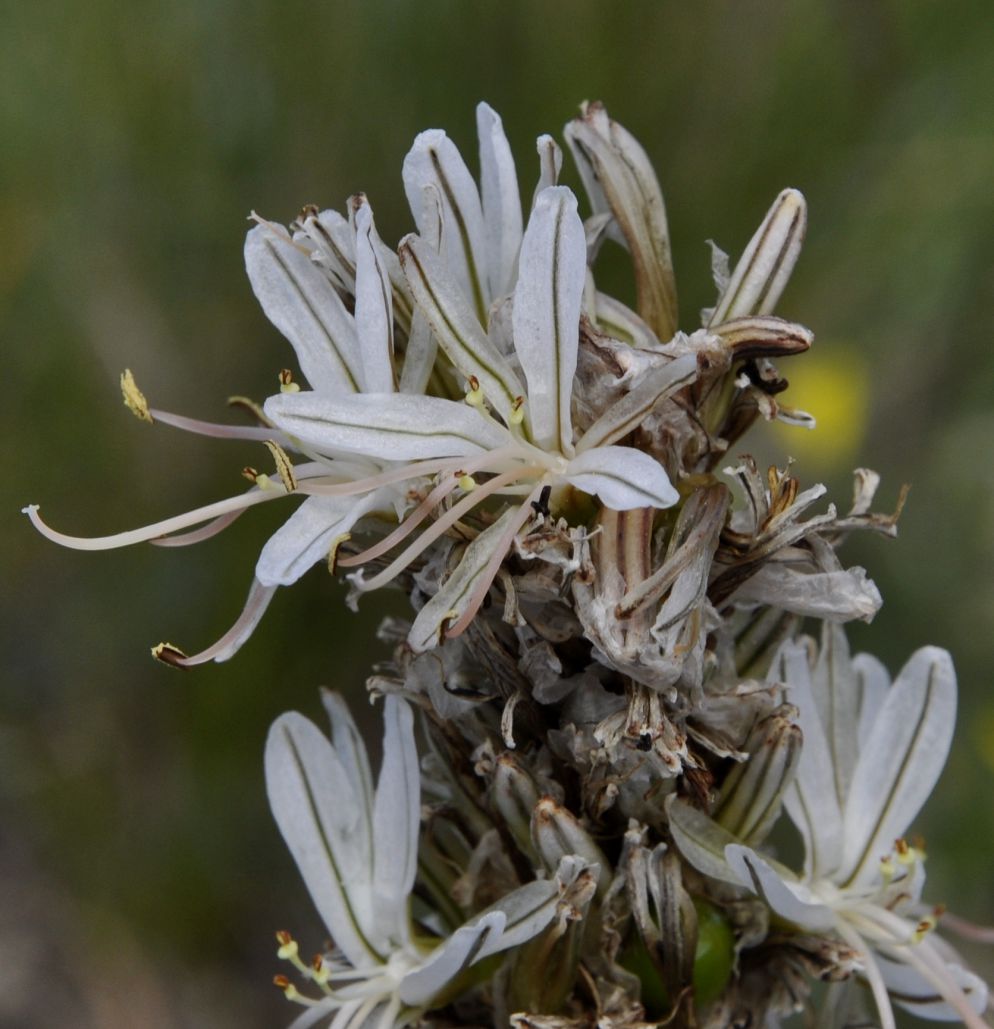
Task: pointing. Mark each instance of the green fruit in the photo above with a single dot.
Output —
(713, 960)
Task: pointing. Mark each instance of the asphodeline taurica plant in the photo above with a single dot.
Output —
(602, 704)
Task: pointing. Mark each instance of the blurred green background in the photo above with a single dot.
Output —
(140, 874)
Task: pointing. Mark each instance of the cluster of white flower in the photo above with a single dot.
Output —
(605, 659)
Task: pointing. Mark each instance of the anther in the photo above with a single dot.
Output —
(134, 399)
(320, 972)
(887, 869)
(474, 396)
(284, 466)
(288, 946)
(924, 927)
(518, 411)
(467, 483)
(906, 854)
(287, 385)
(169, 654)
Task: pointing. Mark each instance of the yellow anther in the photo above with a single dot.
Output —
(467, 483)
(288, 946)
(333, 551)
(284, 466)
(474, 395)
(887, 869)
(518, 411)
(134, 399)
(287, 385)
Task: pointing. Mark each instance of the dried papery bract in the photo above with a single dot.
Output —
(601, 705)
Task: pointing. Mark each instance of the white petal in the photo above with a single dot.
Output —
(501, 200)
(627, 413)
(307, 535)
(458, 331)
(550, 164)
(301, 302)
(833, 689)
(333, 241)
(350, 748)
(459, 951)
(811, 800)
(790, 900)
(457, 592)
(326, 829)
(373, 306)
(767, 261)
(837, 596)
(622, 477)
(872, 684)
(701, 840)
(386, 426)
(528, 909)
(434, 161)
(904, 754)
(919, 995)
(419, 355)
(396, 821)
(546, 316)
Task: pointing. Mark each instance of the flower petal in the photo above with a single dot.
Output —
(458, 952)
(833, 690)
(811, 800)
(457, 592)
(767, 261)
(434, 161)
(552, 270)
(902, 759)
(396, 821)
(325, 828)
(350, 748)
(915, 992)
(872, 684)
(373, 305)
(790, 900)
(501, 200)
(459, 333)
(628, 412)
(301, 302)
(622, 477)
(308, 534)
(616, 170)
(550, 164)
(385, 426)
(701, 840)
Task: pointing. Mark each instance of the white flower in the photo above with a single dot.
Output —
(516, 429)
(379, 445)
(357, 850)
(872, 754)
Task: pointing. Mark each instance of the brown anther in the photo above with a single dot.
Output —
(474, 383)
(308, 211)
(317, 963)
(901, 846)
(938, 911)
(283, 937)
(250, 473)
(169, 654)
(282, 982)
(286, 377)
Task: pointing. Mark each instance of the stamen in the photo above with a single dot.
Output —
(518, 411)
(255, 607)
(292, 993)
(287, 385)
(406, 527)
(489, 573)
(216, 430)
(887, 869)
(134, 399)
(443, 525)
(152, 532)
(474, 395)
(467, 483)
